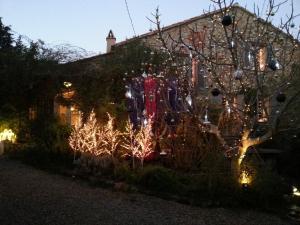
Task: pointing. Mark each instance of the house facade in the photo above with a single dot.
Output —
(258, 44)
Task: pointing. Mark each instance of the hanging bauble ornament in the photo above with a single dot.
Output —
(238, 74)
(206, 121)
(232, 44)
(227, 20)
(215, 92)
(128, 94)
(273, 64)
(281, 97)
(189, 100)
(144, 74)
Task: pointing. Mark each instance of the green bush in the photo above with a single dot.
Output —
(269, 188)
(51, 135)
(88, 164)
(33, 155)
(123, 172)
(159, 180)
(213, 189)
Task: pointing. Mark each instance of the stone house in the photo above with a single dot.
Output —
(205, 34)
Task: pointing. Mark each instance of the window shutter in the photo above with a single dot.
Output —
(201, 76)
(269, 53)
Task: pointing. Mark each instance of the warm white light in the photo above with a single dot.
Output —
(189, 99)
(249, 57)
(263, 119)
(228, 107)
(144, 74)
(206, 121)
(92, 138)
(8, 135)
(296, 192)
(229, 110)
(232, 44)
(245, 178)
(145, 122)
(138, 142)
(128, 94)
(67, 84)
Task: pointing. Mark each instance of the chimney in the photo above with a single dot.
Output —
(110, 41)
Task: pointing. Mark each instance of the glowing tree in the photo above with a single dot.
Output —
(111, 138)
(139, 142)
(99, 141)
(88, 138)
(129, 141)
(144, 138)
(238, 67)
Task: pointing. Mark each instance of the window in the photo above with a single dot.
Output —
(248, 59)
(262, 58)
(197, 39)
(32, 113)
(199, 74)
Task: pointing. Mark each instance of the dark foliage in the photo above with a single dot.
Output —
(159, 179)
(34, 155)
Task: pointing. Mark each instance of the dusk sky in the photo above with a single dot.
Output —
(85, 23)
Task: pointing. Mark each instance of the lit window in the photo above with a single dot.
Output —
(262, 57)
(32, 113)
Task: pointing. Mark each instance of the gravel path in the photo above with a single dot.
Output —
(33, 197)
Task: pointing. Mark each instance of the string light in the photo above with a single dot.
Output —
(8, 135)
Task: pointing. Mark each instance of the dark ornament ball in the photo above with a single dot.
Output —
(281, 97)
(273, 65)
(227, 20)
(215, 92)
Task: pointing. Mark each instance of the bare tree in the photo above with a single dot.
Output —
(245, 65)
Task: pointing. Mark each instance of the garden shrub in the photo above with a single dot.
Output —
(34, 155)
(213, 189)
(159, 179)
(269, 188)
(50, 134)
(123, 172)
(89, 164)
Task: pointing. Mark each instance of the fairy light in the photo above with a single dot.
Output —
(206, 121)
(232, 87)
(93, 139)
(245, 178)
(144, 139)
(189, 99)
(67, 84)
(232, 44)
(296, 192)
(8, 135)
(128, 94)
(86, 137)
(228, 107)
(145, 122)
